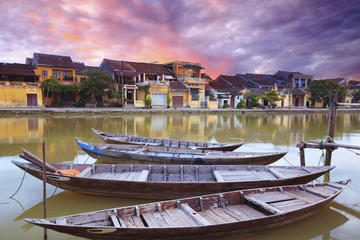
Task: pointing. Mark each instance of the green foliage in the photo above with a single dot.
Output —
(96, 85)
(356, 95)
(321, 90)
(253, 100)
(57, 88)
(226, 105)
(145, 89)
(148, 101)
(240, 104)
(168, 99)
(271, 96)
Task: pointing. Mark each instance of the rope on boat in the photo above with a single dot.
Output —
(53, 192)
(288, 161)
(22, 180)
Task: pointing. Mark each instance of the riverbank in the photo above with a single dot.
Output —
(11, 111)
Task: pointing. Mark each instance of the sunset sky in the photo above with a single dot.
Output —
(319, 37)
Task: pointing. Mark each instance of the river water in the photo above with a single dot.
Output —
(260, 132)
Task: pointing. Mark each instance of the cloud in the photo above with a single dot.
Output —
(227, 36)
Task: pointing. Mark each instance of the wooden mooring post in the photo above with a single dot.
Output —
(329, 138)
(44, 187)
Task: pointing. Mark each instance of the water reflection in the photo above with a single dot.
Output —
(260, 131)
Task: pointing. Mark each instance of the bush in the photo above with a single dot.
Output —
(226, 105)
(240, 104)
(148, 102)
(80, 103)
(115, 104)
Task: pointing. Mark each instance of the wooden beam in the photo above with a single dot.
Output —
(302, 156)
(194, 215)
(85, 172)
(35, 158)
(276, 173)
(143, 176)
(263, 205)
(115, 220)
(218, 176)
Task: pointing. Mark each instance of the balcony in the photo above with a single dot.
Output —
(19, 84)
(148, 82)
(193, 79)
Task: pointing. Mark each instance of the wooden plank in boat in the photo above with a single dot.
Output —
(268, 197)
(305, 196)
(85, 172)
(240, 217)
(212, 217)
(61, 221)
(335, 185)
(138, 222)
(143, 176)
(276, 173)
(289, 205)
(168, 219)
(195, 215)
(245, 210)
(227, 218)
(121, 176)
(263, 205)
(129, 222)
(218, 176)
(180, 217)
(156, 219)
(150, 220)
(131, 176)
(320, 191)
(115, 220)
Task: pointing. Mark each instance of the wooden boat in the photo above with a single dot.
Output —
(170, 181)
(135, 140)
(149, 154)
(201, 217)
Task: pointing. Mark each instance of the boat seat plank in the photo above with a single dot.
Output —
(158, 218)
(143, 176)
(85, 172)
(180, 218)
(211, 217)
(276, 173)
(290, 205)
(195, 215)
(305, 196)
(150, 220)
(270, 197)
(218, 176)
(335, 185)
(246, 211)
(227, 218)
(61, 221)
(263, 205)
(137, 221)
(115, 220)
(317, 192)
(326, 190)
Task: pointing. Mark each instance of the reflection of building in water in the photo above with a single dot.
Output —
(21, 130)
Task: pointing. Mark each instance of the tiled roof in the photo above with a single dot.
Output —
(138, 67)
(52, 60)
(262, 79)
(219, 85)
(79, 67)
(291, 73)
(177, 85)
(297, 91)
(237, 81)
(92, 68)
(16, 69)
(258, 90)
(28, 61)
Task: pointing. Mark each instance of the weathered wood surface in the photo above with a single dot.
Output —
(171, 181)
(135, 140)
(120, 153)
(200, 217)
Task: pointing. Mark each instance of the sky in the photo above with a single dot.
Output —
(318, 37)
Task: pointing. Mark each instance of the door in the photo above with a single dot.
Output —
(158, 99)
(32, 100)
(178, 101)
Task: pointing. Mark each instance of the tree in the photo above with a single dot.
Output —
(356, 95)
(253, 100)
(56, 89)
(271, 96)
(96, 85)
(320, 91)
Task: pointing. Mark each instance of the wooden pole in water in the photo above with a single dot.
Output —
(331, 126)
(44, 187)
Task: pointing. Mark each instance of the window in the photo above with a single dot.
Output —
(67, 75)
(194, 92)
(296, 85)
(302, 83)
(308, 82)
(44, 75)
(56, 74)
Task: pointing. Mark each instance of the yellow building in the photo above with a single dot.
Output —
(19, 86)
